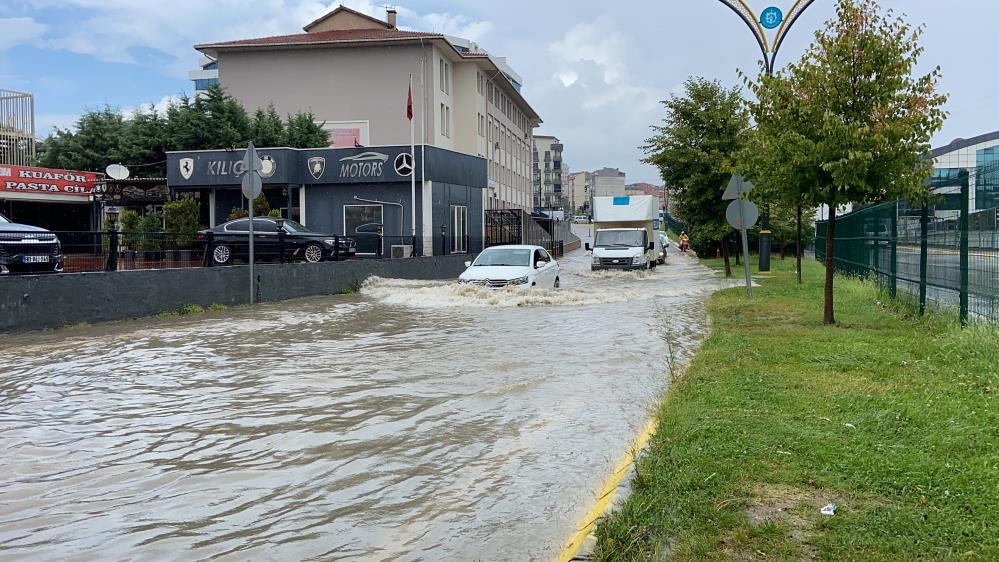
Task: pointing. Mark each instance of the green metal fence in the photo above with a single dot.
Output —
(942, 255)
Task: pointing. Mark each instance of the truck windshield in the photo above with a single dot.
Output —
(611, 238)
(504, 256)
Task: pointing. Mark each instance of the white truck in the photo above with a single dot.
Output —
(623, 233)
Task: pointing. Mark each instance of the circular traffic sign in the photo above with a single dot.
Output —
(251, 185)
(771, 17)
(742, 214)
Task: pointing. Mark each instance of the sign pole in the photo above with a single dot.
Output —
(412, 174)
(252, 292)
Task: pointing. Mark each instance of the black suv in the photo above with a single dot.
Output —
(28, 249)
(231, 241)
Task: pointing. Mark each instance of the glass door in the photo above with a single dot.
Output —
(459, 229)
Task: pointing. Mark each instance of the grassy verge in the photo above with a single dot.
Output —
(895, 419)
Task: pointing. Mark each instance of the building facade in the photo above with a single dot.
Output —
(206, 76)
(577, 190)
(353, 72)
(351, 192)
(548, 171)
(967, 154)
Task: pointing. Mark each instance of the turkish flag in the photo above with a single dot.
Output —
(409, 104)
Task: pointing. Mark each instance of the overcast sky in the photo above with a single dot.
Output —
(594, 70)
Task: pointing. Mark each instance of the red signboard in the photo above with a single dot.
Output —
(45, 181)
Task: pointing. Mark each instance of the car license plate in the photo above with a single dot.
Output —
(34, 259)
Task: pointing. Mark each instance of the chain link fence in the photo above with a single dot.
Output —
(941, 255)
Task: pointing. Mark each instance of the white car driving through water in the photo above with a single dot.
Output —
(516, 266)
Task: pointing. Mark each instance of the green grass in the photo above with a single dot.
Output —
(892, 417)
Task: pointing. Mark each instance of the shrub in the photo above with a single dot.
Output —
(237, 213)
(150, 227)
(129, 224)
(181, 218)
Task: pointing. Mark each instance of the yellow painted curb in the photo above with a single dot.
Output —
(607, 492)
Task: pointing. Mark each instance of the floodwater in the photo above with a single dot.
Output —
(412, 421)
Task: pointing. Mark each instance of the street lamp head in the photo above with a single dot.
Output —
(112, 214)
(279, 223)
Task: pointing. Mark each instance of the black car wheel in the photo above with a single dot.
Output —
(313, 253)
(222, 254)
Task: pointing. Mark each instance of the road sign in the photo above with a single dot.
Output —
(742, 214)
(736, 187)
(251, 162)
(252, 185)
(771, 17)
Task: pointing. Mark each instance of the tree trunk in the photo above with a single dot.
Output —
(728, 265)
(797, 245)
(828, 317)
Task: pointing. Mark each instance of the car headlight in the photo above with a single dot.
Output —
(519, 281)
(636, 260)
(596, 260)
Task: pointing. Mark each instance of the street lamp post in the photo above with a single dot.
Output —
(770, 18)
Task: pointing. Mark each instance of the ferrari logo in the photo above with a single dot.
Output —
(186, 168)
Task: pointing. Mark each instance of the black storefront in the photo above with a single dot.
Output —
(350, 191)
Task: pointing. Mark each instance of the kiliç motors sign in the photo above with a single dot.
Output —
(25, 179)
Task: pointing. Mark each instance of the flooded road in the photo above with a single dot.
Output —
(412, 421)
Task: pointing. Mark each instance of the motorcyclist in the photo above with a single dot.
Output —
(684, 241)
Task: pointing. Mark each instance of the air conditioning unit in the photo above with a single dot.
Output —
(400, 251)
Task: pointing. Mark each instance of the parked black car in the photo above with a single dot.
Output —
(28, 249)
(232, 241)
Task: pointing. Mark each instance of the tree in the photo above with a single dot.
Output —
(303, 131)
(187, 126)
(227, 124)
(143, 143)
(695, 149)
(93, 145)
(181, 219)
(267, 128)
(851, 119)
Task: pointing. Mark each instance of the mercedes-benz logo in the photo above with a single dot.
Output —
(404, 164)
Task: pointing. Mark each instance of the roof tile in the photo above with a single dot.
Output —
(347, 35)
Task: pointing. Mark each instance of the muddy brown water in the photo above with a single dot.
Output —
(412, 421)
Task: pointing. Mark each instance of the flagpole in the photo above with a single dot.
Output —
(412, 173)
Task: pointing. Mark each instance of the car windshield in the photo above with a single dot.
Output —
(504, 256)
(4, 219)
(292, 226)
(612, 238)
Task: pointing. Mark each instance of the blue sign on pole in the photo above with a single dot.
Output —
(771, 17)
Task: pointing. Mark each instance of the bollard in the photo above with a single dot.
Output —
(281, 245)
(209, 249)
(112, 261)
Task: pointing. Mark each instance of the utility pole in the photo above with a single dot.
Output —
(769, 18)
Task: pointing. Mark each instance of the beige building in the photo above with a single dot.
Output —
(577, 191)
(547, 156)
(352, 72)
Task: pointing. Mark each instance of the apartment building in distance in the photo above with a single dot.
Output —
(548, 171)
(352, 71)
(644, 189)
(577, 191)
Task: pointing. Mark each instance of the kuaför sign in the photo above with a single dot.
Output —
(26, 179)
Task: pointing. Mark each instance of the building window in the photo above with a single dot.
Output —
(447, 79)
(442, 73)
(443, 122)
(482, 126)
(478, 82)
(459, 228)
(447, 111)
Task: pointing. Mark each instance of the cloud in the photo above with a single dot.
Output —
(46, 122)
(16, 31)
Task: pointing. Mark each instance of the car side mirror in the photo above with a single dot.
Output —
(468, 264)
(540, 264)
(652, 245)
(588, 247)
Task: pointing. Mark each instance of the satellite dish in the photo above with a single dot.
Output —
(117, 171)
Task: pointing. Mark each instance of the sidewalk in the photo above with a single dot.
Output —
(890, 418)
